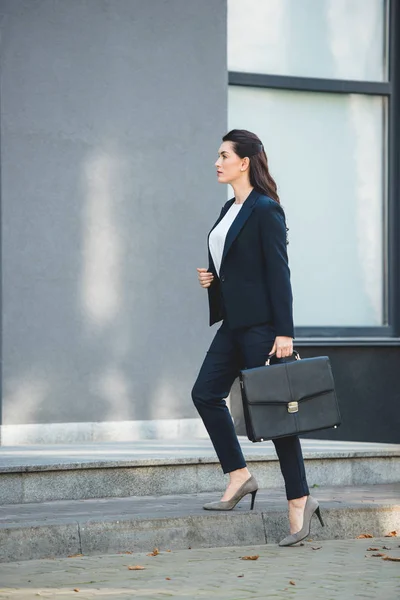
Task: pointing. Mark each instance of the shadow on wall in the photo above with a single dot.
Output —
(113, 331)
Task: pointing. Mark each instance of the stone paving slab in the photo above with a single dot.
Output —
(328, 570)
(117, 524)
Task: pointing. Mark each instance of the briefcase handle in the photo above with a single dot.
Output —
(295, 354)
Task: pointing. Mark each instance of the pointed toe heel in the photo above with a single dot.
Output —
(310, 508)
(249, 487)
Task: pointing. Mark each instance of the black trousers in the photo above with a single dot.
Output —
(230, 351)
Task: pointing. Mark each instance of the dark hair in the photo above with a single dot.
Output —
(249, 144)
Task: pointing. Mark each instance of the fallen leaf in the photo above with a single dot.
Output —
(372, 549)
(394, 558)
(240, 575)
(363, 536)
(255, 557)
(292, 582)
(168, 578)
(386, 548)
(378, 554)
(154, 553)
(310, 540)
(316, 547)
(74, 555)
(391, 534)
(77, 590)
(136, 568)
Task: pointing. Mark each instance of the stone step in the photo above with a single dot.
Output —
(155, 468)
(139, 524)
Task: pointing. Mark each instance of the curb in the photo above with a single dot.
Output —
(48, 538)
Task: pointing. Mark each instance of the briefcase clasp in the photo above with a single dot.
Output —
(293, 407)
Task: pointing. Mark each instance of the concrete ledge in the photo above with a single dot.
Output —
(174, 522)
(83, 484)
(55, 464)
(28, 475)
(49, 457)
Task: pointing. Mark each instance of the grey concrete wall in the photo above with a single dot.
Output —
(111, 116)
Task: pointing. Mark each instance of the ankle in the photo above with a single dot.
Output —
(239, 475)
(298, 502)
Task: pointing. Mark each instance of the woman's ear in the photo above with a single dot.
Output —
(245, 163)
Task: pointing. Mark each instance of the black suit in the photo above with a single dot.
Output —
(253, 297)
(254, 280)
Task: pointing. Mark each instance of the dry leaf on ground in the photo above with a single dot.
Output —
(394, 558)
(255, 557)
(154, 553)
(378, 554)
(168, 578)
(386, 548)
(77, 590)
(391, 534)
(372, 549)
(136, 568)
(240, 575)
(74, 555)
(316, 547)
(292, 582)
(364, 536)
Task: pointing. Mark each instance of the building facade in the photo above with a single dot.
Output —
(111, 113)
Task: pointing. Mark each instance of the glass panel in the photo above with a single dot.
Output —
(326, 152)
(332, 39)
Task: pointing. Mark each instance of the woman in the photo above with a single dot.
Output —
(249, 289)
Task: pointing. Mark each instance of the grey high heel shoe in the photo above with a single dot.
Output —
(249, 487)
(310, 508)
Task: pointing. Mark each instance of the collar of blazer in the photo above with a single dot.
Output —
(240, 220)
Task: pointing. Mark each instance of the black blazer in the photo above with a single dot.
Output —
(254, 280)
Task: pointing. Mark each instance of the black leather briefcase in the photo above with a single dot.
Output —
(289, 398)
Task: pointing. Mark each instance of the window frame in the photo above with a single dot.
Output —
(357, 335)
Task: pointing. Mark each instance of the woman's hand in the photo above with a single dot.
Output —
(283, 346)
(205, 278)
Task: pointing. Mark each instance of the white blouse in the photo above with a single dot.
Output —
(217, 237)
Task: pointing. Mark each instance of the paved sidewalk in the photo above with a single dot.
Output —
(328, 570)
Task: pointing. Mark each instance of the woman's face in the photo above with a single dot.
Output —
(230, 167)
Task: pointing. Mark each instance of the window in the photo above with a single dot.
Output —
(311, 78)
(336, 39)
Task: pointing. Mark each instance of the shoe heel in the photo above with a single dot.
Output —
(318, 513)
(253, 497)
